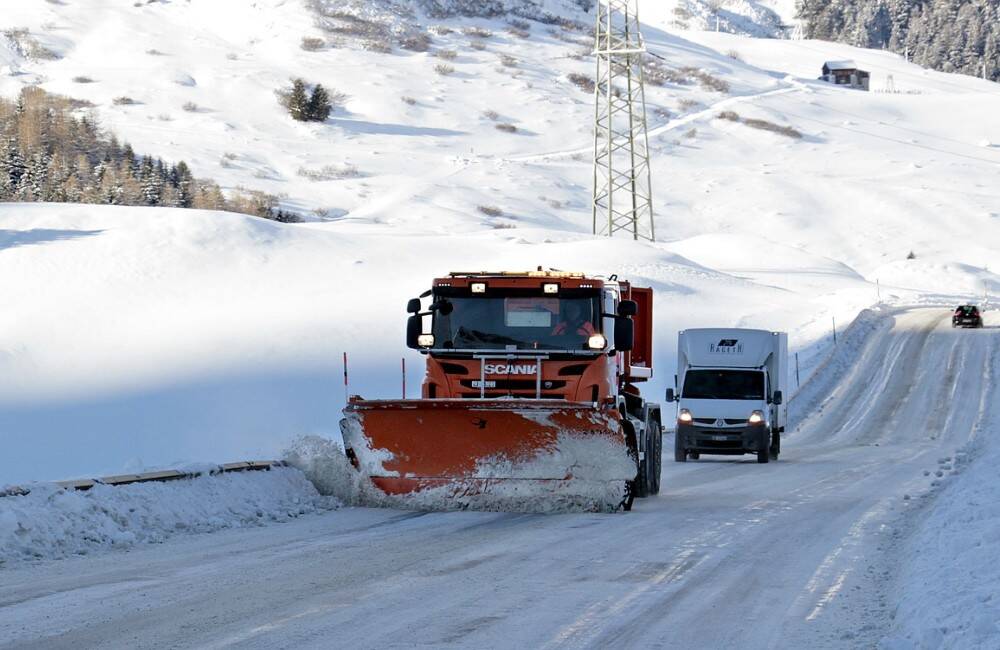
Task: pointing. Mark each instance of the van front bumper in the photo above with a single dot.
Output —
(722, 440)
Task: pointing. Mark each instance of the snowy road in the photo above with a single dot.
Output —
(732, 554)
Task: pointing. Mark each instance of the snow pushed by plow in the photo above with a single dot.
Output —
(499, 484)
(51, 522)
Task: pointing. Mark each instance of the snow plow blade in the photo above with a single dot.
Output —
(490, 454)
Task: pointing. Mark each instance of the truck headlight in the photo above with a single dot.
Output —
(597, 342)
(550, 287)
(757, 417)
(478, 287)
(684, 417)
(425, 340)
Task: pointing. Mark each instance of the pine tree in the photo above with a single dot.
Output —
(185, 186)
(319, 106)
(12, 164)
(298, 102)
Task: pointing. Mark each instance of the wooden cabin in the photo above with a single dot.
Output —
(846, 73)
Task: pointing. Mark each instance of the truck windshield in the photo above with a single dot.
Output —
(724, 384)
(523, 320)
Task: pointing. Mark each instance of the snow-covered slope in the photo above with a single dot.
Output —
(143, 337)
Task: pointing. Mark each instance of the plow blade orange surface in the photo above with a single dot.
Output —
(506, 447)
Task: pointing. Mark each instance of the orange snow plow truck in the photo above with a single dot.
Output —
(530, 391)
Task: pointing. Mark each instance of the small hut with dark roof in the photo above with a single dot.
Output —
(846, 73)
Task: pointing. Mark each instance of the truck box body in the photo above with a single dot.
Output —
(723, 377)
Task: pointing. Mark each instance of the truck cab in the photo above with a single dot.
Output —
(730, 393)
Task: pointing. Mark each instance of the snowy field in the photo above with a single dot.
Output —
(144, 338)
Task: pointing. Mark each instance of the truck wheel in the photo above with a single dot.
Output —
(694, 455)
(642, 477)
(775, 445)
(680, 454)
(763, 448)
(656, 444)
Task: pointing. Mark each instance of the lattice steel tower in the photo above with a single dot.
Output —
(623, 199)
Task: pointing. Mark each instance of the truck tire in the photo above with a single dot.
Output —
(655, 455)
(641, 484)
(680, 454)
(763, 448)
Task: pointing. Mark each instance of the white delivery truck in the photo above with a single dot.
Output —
(730, 388)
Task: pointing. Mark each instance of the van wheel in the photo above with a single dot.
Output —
(694, 455)
(775, 445)
(680, 454)
(763, 448)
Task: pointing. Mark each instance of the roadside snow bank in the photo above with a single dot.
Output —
(949, 590)
(830, 374)
(52, 523)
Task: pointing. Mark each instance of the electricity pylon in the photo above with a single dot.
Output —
(623, 200)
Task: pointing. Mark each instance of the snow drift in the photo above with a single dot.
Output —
(50, 522)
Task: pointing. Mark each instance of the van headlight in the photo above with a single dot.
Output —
(757, 418)
(684, 417)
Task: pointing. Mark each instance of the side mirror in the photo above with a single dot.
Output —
(414, 328)
(777, 397)
(628, 308)
(670, 395)
(624, 334)
(413, 306)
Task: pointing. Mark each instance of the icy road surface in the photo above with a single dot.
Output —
(799, 553)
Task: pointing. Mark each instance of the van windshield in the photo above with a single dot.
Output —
(724, 384)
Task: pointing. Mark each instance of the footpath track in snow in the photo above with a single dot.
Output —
(796, 553)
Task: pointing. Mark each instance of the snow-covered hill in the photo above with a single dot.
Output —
(141, 337)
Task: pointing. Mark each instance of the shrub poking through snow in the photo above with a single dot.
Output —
(911, 256)
(491, 115)
(444, 69)
(406, 99)
(123, 101)
(83, 80)
(311, 44)
(190, 107)
(582, 81)
(447, 55)
(506, 127)
(330, 172)
(416, 42)
(477, 32)
(490, 210)
(764, 125)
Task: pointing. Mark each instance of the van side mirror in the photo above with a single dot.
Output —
(628, 308)
(413, 306)
(414, 328)
(670, 395)
(624, 334)
(777, 397)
